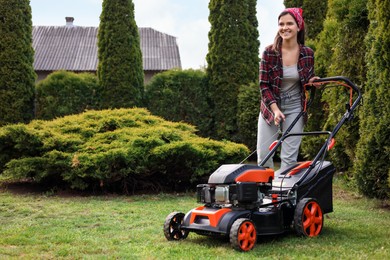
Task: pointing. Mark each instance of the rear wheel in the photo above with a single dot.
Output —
(308, 218)
(172, 226)
(243, 234)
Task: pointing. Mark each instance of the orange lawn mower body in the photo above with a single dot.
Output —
(244, 201)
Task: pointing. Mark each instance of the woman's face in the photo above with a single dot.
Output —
(288, 28)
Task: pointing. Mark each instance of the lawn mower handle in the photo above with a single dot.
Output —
(336, 79)
(340, 80)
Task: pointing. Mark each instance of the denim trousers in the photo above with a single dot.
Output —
(290, 105)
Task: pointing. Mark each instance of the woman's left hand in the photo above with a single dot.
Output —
(313, 79)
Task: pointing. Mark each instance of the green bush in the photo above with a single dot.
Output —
(181, 95)
(64, 93)
(118, 150)
(248, 114)
(18, 141)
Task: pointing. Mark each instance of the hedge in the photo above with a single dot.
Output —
(64, 93)
(181, 95)
(120, 150)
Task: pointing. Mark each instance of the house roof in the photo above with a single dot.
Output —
(74, 48)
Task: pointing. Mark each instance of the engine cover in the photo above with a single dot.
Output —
(232, 173)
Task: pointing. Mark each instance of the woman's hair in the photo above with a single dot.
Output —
(278, 39)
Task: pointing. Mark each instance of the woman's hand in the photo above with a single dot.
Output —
(313, 79)
(278, 115)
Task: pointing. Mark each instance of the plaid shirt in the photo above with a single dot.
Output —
(271, 76)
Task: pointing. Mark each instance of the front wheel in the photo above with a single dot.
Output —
(308, 218)
(172, 226)
(243, 234)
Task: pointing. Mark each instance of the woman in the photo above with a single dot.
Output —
(286, 66)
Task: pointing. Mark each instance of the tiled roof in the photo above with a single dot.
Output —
(74, 48)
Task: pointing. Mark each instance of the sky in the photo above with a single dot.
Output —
(187, 20)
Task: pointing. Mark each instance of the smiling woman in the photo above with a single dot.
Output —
(286, 66)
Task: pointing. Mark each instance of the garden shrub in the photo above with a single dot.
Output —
(18, 141)
(181, 95)
(248, 114)
(65, 93)
(117, 150)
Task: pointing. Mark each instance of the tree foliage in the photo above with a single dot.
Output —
(181, 95)
(119, 150)
(248, 112)
(233, 59)
(346, 25)
(372, 165)
(293, 3)
(17, 75)
(120, 69)
(64, 93)
(314, 15)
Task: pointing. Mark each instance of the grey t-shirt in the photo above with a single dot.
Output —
(290, 82)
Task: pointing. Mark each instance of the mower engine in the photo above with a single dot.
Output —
(236, 185)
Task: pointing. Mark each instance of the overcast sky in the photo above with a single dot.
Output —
(185, 19)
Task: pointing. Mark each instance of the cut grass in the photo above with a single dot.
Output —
(47, 226)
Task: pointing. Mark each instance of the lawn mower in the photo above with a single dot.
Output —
(243, 201)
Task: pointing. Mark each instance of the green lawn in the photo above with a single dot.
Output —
(36, 225)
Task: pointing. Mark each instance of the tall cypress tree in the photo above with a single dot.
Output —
(347, 24)
(314, 14)
(120, 68)
(292, 3)
(17, 76)
(233, 59)
(372, 165)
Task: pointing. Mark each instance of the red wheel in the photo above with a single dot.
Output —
(243, 234)
(172, 226)
(308, 218)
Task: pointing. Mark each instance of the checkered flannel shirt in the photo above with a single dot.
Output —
(271, 76)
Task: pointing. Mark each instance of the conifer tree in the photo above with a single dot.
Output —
(347, 25)
(314, 12)
(233, 59)
(120, 70)
(17, 76)
(292, 3)
(372, 165)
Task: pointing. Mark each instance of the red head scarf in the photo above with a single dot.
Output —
(297, 13)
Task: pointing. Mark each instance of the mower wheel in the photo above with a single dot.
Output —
(172, 226)
(308, 218)
(243, 234)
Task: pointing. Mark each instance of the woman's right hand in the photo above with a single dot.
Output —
(278, 115)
